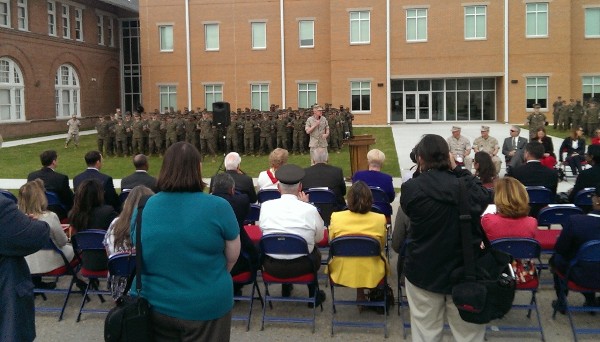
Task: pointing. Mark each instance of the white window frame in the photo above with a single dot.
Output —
(539, 85)
(255, 28)
(363, 88)
(22, 15)
(261, 89)
(170, 91)
(208, 40)
(51, 6)
(214, 91)
(79, 24)
(477, 17)
(537, 13)
(594, 83)
(307, 94)
(414, 20)
(11, 80)
(162, 46)
(5, 16)
(66, 21)
(67, 92)
(587, 18)
(111, 32)
(363, 37)
(310, 25)
(100, 25)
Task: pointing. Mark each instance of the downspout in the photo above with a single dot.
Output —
(506, 111)
(282, 38)
(188, 54)
(388, 81)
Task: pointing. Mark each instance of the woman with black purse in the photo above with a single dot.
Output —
(431, 201)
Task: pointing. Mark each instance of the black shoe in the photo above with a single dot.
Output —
(46, 286)
(286, 290)
(321, 297)
(594, 303)
(560, 307)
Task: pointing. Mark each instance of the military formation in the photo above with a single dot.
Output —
(250, 132)
(576, 114)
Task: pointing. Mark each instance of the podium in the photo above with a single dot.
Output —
(358, 147)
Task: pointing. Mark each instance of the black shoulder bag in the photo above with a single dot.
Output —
(129, 321)
(484, 287)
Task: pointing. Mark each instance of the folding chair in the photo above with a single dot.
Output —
(121, 265)
(555, 214)
(539, 197)
(247, 278)
(522, 248)
(88, 244)
(253, 214)
(56, 206)
(402, 299)
(382, 205)
(123, 195)
(267, 195)
(69, 269)
(288, 244)
(325, 200)
(586, 261)
(8, 195)
(357, 246)
(583, 199)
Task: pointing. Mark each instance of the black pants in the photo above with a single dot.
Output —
(288, 268)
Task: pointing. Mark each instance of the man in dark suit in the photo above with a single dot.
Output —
(93, 159)
(512, 149)
(590, 177)
(533, 173)
(243, 182)
(54, 182)
(140, 176)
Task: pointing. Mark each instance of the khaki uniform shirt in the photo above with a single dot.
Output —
(488, 145)
(458, 146)
(316, 136)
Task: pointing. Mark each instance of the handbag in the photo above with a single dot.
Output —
(484, 287)
(129, 321)
(377, 294)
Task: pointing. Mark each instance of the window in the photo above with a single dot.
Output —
(66, 91)
(100, 25)
(475, 22)
(168, 96)
(592, 22)
(260, 96)
(211, 37)
(416, 25)
(361, 95)
(79, 24)
(166, 38)
(537, 19)
(52, 18)
(4, 13)
(110, 32)
(307, 94)
(306, 33)
(212, 93)
(591, 88)
(360, 27)
(22, 15)
(537, 91)
(11, 91)
(259, 35)
(66, 22)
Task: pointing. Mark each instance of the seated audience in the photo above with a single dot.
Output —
(533, 173)
(94, 161)
(32, 202)
(596, 137)
(578, 230)
(359, 273)
(484, 169)
(291, 214)
(573, 147)
(267, 179)
(243, 182)
(374, 177)
(549, 158)
(140, 176)
(54, 182)
(590, 177)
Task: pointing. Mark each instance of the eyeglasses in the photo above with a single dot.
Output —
(512, 130)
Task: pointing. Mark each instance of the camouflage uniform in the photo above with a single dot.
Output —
(121, 138)
(592, 115)
(171, 136)
(535, 120)
(102, 129)
(155, 127)
(207, 135)
(265, 126)
(577, 114)
(281, 126)
(299, 136)
(249, 135)
(137, 141)
(190, 131)
(563, 117)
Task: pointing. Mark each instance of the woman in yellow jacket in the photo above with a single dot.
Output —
(358, 272)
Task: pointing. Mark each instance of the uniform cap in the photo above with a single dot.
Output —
(485, 128)
(455, 128)
(290, 174)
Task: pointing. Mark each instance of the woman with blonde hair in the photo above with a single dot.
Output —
(33, 202)
(512, 208)
(266, 179)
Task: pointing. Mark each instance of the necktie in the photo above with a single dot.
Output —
(514, 143)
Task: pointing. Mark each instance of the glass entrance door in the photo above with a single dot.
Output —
(417, 106)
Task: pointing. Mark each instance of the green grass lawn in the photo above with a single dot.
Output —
(17, 162)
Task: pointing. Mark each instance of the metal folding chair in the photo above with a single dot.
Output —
(8, 195)
(539, 197)
(253, 214)
(583, 199)
(247, 278)
(325, 200)
(123, 195)
(553, 215)
(357, 246)
(288, 244)
(522, 248)
(267, 195)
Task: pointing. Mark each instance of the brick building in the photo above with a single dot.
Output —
(389, 61)
(59, 58)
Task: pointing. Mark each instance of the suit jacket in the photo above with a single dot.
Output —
(55, 182)
(325, 175)
(110, 195)
(507, 146)
(535, 174)
(19, 236)
(139, 178)
(586, 179)
(243, 184)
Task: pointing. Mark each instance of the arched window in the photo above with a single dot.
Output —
(12, 91)
(67, 92)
